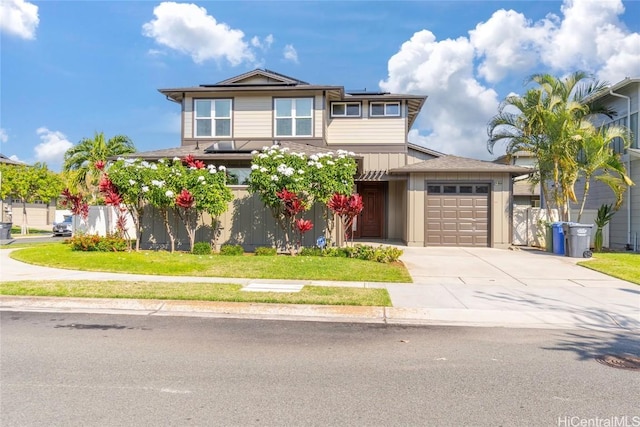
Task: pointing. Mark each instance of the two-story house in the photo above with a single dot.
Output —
(624, 228)
(411, 194)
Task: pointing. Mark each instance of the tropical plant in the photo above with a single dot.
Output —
(604, 215)
(29, 184)
(84, 160)
(346, 208)
(597, 154)
(545, 121)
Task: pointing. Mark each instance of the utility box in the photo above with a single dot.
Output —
(5, 230)
(578, 239)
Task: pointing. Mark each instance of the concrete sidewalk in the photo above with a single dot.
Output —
(452, 286)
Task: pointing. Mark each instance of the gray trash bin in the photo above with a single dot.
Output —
(578, 239)
(5, 230)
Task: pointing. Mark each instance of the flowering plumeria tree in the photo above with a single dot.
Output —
(186, 185)
(346, 208)
(204, 189)
(311, 178)
(126, 179)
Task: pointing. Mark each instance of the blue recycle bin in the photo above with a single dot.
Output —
(558, 238)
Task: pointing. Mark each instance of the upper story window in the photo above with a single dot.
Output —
(345, 109)
(384, 109)
(213, 117)
(293, 116)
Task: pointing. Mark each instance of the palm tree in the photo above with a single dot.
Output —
(83, 159)
(596, 154)
(544, 122)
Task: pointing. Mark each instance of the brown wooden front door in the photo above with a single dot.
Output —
(371, 220)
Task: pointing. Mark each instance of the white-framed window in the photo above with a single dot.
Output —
(212, 117)
(293, 116)
(384, 109)
(345, 109)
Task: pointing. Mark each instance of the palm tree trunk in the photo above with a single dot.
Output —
(584, 195)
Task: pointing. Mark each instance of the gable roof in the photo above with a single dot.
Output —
(425, 150)
(612, 88)
(270, 76)
(448, 163)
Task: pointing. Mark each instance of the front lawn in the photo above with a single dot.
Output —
(60, 255)
(625, 266)
(196, 292)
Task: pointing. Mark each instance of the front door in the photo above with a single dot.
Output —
(371, 220)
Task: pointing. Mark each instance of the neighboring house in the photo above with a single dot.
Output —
(525, 193)
(411, 194)
(39, 214)
(624, 228)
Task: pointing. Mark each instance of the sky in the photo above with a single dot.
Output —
(69, 69)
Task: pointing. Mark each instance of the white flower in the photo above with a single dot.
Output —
(330, 162)
(212, 168)
(254, 167)
(154, 166)
(157, 183)
(176, 159)
(145, 189)
(265, 148)
(311, 163)
(274, 178)
(203, 182)
(222, 168)
(161, 161)
(300, 171)
(201, 178)
(263, 169)
(262, 156)
(254, 152)
(351, 153)
(284, 149)
(132, 182)
(145, 163)
(314, 157)
(169, 193)
(342, 152)
(319, 165)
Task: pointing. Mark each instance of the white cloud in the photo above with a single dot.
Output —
(3, 135)
(455, 114)
(52, 148)
(290, 53)
(15, 158)
(188, 28)
(589, 37)
(19, 18)
(265, 44)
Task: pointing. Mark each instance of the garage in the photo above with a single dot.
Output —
(457, 214)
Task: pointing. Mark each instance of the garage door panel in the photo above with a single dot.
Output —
(457, 220)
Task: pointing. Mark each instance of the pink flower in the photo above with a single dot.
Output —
(303, 225)
(185, 199)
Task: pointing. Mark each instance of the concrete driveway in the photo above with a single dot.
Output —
(479, 285)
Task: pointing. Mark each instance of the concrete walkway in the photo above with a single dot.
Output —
(452, 286)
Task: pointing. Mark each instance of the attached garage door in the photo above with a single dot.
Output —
(457, 215)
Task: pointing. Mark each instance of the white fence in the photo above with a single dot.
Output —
(102, 220)
(529, 225)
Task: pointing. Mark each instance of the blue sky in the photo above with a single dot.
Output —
(71, 68)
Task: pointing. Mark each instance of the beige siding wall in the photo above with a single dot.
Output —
(499, 205)
(252, 117)
(415, 156)
(187, 117)
(39, 215)
(247, 222)
(366, 131)
(382, 161)
(396, 210)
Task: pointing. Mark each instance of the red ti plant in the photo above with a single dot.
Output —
(346, 208)
(303, 225)
(292, 206)
(113, 198)
(75, 203)
(191, 162)
(187, 211)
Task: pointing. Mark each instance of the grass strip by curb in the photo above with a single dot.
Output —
(320, 295)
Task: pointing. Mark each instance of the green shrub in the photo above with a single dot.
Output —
(201, 248)
(231, 250)
(265, 251)
(96, 243)
(314, 251)
(365, 253)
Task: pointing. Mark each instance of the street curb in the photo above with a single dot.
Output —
(322, 313)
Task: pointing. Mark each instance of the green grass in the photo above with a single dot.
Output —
(196, 292)
(625, 266)
(60, 255)
(18, 231)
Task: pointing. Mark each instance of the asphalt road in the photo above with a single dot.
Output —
(107, 370)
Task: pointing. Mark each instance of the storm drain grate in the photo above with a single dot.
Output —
(622, 362)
